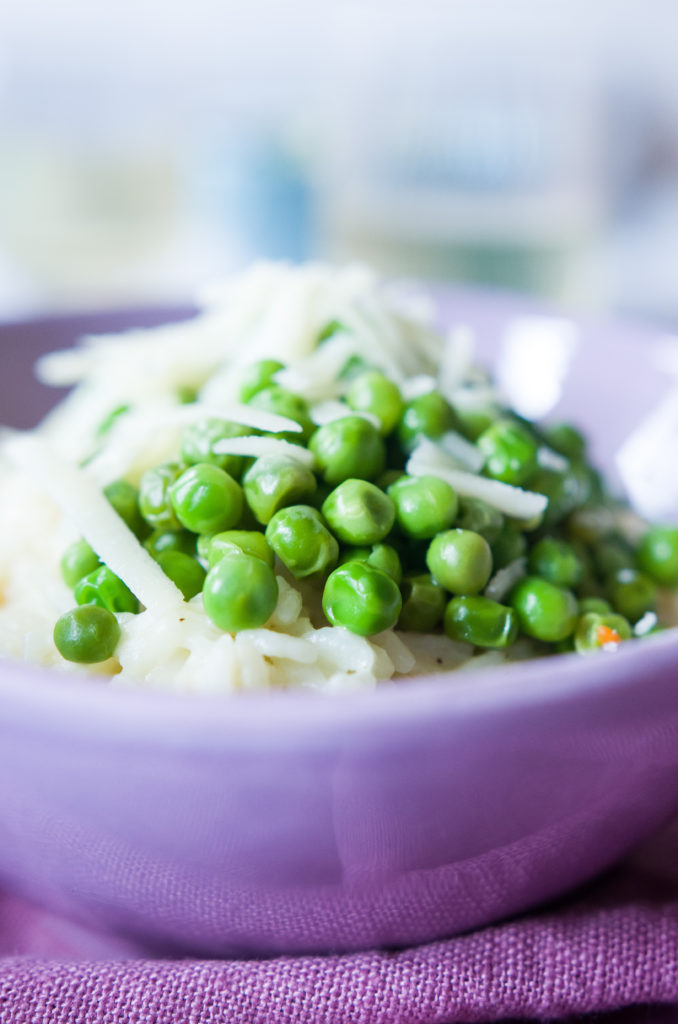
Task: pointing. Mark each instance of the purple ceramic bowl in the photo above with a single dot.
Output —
(292, 822)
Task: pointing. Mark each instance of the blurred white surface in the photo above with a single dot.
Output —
(146, 146)
(533, 363)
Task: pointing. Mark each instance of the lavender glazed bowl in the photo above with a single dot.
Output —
(289, 822)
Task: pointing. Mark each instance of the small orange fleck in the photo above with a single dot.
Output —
(607, 635)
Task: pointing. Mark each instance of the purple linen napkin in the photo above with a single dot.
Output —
(613, 945)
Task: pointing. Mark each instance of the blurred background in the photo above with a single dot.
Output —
(147, 146)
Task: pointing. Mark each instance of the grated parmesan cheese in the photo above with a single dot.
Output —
(257, 446)
(415, 387)
(548, 459)
(466, 454)
(97, 521)
(427, 458)
(144, 437)
(316, 377)
(331, 410)
(505, 579)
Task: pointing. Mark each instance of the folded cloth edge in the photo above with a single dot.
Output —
(548, 966)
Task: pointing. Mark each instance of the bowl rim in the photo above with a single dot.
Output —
(54, 701)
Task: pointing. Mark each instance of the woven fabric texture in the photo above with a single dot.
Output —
(614, 945)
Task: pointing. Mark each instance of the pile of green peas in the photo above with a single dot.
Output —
(385, 549)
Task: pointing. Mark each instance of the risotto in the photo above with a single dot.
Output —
(306, 485)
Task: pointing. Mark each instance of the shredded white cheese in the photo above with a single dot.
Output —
(548, 459)
(146, 436)
(331, 410)
(647, 622)
(480, 396)
(315, 378)
(91, 514)
(415, 387)
(505, 579)
(456, 362)
(428, 458)
(247, 415)
(256, 446)
(466, 454)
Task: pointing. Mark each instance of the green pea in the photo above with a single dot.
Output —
(388, 477)
(251, 542)
(124, 498)
(379, 556)
(361, 598)
(103, 588)
(86, 635)
(154, 497)
(359, 513)
(526, 525)
(206, 499)
(545, 611)
(510, 452)
(632, 593)
(590, 588)
(424, 505)
(583, 553)
(352, 554)
(374, 393)
(658, 555)
(240, 592)
(594, 604)
(423, 604)
(565, 492)
(248, 521)
(509, 545)
(184, 571)
(321, 492)
(349, 447)
(385, 557)
(170, 540)
(611, 554)
(480, 621)
(301, 541)
(272, 482)
(77, 561)
(476, 515)
(595, 631)
(428, 415)
(198, 440)
(284, 403)
(258, 376)
(396, 460)
(591, 524)
(202, 546)
(556, 560)
(460, 560)
(590, 482)
(566, 439)
(475, 420)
